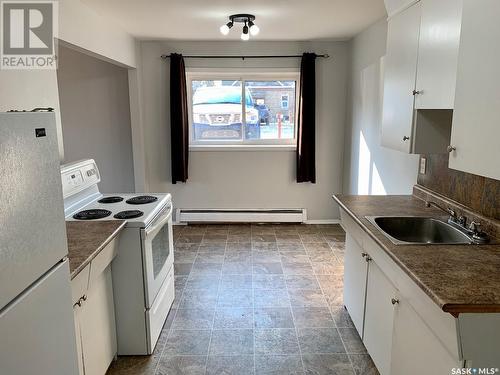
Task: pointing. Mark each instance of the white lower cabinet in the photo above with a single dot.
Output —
(356, 269)
(415, 348)
(94, 314)
(381, 298)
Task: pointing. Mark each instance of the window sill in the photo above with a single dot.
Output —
(242, 148)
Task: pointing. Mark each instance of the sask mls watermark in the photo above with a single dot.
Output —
(27, 34)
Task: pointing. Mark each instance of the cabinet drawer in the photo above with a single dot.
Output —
(102, 260)
(80, 284)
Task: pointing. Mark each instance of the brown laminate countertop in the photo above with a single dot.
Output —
(458, 278)
(87, 238)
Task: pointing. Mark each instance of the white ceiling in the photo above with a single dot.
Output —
(277, 19)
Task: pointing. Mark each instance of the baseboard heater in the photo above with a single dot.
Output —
(289, 215)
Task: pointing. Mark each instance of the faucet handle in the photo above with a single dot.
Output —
(474, 226)
(452, 212)
(462, 220)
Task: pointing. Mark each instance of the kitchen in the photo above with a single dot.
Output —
(181, 229)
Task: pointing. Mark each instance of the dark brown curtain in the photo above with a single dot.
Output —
(306, 147)
(179, 125)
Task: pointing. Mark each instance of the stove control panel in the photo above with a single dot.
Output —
(79, 176)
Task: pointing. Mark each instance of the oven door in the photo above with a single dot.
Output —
(158, 252)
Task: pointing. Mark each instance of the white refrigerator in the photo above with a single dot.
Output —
(36, 314)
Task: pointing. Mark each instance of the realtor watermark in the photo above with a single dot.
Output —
(27, 34)
(475, 371)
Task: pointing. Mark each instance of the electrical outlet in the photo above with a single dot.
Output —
(423, 165)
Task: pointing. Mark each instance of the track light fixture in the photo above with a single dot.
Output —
(249, 26)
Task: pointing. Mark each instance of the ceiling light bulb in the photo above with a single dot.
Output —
(224, 29)
(254, 29)
(245, 36)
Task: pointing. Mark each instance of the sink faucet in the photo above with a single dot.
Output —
(460, 222)
(448, 210)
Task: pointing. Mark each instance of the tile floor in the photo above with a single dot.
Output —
(256, 299)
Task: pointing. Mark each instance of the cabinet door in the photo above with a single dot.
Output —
(379, 318)
(79, 349)
(97, 319)
(438, 54)
(355, 272)
(415, 349)
(399, 78)
(475, 131)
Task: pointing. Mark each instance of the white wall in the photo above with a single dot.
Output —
(246, 179)
(95, 114)
(82, 28)
(368, 167)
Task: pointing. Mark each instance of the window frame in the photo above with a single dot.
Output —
(242, 75)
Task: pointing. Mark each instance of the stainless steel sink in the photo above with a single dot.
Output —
(405, 230)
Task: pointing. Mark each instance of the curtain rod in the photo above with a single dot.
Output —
(243, 57)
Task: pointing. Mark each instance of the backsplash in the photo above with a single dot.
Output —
(480, 194)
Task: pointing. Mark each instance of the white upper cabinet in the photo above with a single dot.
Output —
(438, 54)
(399, 78)
(476, 119)
(420, 74)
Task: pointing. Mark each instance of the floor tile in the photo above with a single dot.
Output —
(236, 282)
(307, 298)
(218, 248)
(182, 365)
(322, 256)
(247, 246)
(295, 247)
(327, 364)
(186, 247)
(238, 256)
(341, 317)
(209, 258)
(233, 317)
(232, 237)
(190, 238)
(363, 364)
(297, 269)
(203, 282)
(235, 298)
(198, 298)
(232, 342)
(268, 282)
(271, 298)
(320, 340)
(266, 256)
(312, 317)
(264, 246)
(273, 268)
(352, 341)
(230, 365)
(200, 269)
(327, 268)
(193, 319)
(273, 317)
(311, 237)
(263, 238)
(276, 341)
(182, 268)
(187, 342)
(301, 282)
(278, 365)
(133, 365)
(294, 257)
(185, 256)
(214, 238)
(237, 268)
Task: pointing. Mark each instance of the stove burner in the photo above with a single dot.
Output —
(129, 214)
(91, 214)
(142, 199)
(110, 200)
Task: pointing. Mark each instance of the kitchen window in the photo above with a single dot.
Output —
(247, 110)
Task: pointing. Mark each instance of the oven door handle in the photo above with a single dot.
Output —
(159, 222)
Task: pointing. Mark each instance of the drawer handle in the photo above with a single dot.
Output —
(394, 301)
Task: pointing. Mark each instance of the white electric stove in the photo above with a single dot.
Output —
(143, 272)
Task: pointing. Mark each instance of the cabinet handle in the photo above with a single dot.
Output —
(364, 255)
(416, 92)
(394, 301)
(84, 297)
(451, 148)
(405, 138)
(368, 258)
